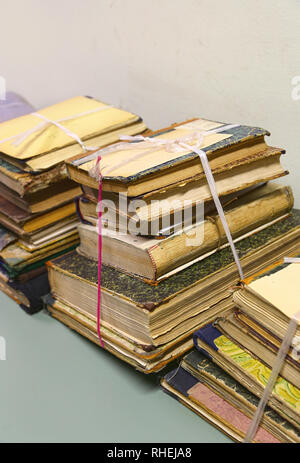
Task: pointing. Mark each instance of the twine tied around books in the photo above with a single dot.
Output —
(18, 139)
(278, 363)
(149, 145)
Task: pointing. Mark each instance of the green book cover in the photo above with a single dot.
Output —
(211, 374)
(236, 135)
(150, 296)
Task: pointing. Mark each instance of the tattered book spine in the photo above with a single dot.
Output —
(171, 253)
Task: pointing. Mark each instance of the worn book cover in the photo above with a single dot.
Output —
(17, 257)
(225, 145)
(249, 371)
(27, 294)
(270, 296)
(15, 267)
(35, 137)
(155, 259)
(6, 237)
(46, 199)
(256, 330)
(206, 389)
(151, 296)
(259, 347)
(24, 183)
(157, 314)
(23, 222)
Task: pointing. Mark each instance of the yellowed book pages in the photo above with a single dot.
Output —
(281, 289)
(153, 259)
(83, 116)
(49, 160)
(114, 165)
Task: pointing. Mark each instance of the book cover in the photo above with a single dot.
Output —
(6, 238)
(153, 259)
(84, 116)
(150, 296)
(160, 160)
(206, 385)
(249, 371)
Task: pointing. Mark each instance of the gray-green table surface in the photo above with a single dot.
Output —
(57, 386)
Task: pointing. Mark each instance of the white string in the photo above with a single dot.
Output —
(284, 348)
(21, 137)
(213, 189)
(175, 145)
(282, 353)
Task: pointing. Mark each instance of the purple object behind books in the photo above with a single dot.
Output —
(14, 106)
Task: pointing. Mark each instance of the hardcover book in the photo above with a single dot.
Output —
(249, 371)
(259, 346)
(154, 259)
(205, 388)
(86, 117)
(154, 315)
(146, 359)
(27, 294)
(227, 147)
(271, 296)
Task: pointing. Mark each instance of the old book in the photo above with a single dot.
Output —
(86, 117)
(157, 314)
(6, 237)
(255, 330)
(27, 294)
(271, 297)
(146, 359)
(230, 327)
(45, 199)
(22, 222)
(24, 183)
(38, 161)
(153, 259)
(139, 175)
(150, 212)
(249, 371)
(63, 229)
(118, 213)
(30, 262)
(17, 258)
(205, 388)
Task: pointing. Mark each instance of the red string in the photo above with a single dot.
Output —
(99, 252)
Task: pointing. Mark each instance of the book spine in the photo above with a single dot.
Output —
(178, 250)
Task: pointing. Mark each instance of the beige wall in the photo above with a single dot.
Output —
(166, 60)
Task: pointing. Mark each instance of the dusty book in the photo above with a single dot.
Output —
(249, 371)
(230, 149)
(154, 259)
(259, 346)
(156, 314)
(270, 297)
(215, 396)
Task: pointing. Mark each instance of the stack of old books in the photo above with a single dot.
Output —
(223, 378)
(37, 207)
(164, 277)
